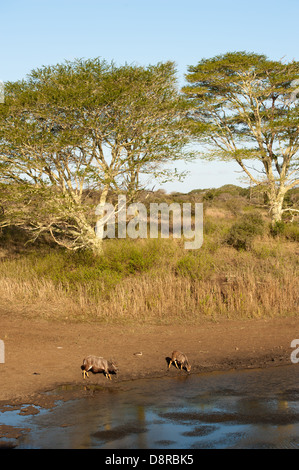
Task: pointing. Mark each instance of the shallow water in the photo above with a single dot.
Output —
(239, 409)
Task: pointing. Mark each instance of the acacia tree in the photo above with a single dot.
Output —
(246, 109)
(84, 124)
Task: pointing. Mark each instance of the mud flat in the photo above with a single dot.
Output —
(41, 355)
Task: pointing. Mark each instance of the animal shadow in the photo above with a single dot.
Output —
(97, 371)
(168, 359)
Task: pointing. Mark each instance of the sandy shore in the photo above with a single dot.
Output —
(41, 355)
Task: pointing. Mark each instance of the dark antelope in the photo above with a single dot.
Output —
(98, 364)
(179, 358)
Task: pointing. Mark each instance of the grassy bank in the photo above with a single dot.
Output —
(158, 281)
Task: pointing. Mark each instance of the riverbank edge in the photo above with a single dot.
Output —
(43, 356)
(47, 397)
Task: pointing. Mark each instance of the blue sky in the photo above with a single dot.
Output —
(40, 32)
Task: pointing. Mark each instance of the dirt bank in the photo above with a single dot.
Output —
(40, 355)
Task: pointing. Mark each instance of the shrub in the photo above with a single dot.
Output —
(291, 232)
(243, 232)
(210, 195)
(209, 227)
(195, 266)
(277, 228)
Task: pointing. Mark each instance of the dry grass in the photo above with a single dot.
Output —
(218, 212)
(156, 283)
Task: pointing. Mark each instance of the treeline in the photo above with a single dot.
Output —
(76, 133)
(244, 210)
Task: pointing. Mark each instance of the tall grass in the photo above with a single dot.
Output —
(156, 281)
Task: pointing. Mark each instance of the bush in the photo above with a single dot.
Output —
(209, 227)
(277, 228)
(291, 232)
(195, 266)
(75, 269)
(210, 195)
(242, 233)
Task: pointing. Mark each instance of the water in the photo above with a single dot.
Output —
(240, 409)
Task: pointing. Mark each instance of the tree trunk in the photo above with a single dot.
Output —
(89, 238)
(276, 202)
(97, 245)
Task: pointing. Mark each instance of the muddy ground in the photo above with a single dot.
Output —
(41, 355)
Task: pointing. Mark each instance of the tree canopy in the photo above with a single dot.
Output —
(245, 108)
(84, 124)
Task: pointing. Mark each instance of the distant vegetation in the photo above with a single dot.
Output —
(89, 123)
(76, 135)
(246, 268)
(245, 110)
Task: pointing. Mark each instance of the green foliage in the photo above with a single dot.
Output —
(156, 280)
(264, 252)
(195, 265)
(277, 228)
(242, 107)
(209, 227)
(289, 230)
(75, 270)
(130, 257)
(242, 233)
(80, 124)
(210, 195)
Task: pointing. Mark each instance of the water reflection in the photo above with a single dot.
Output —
(247, 409)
